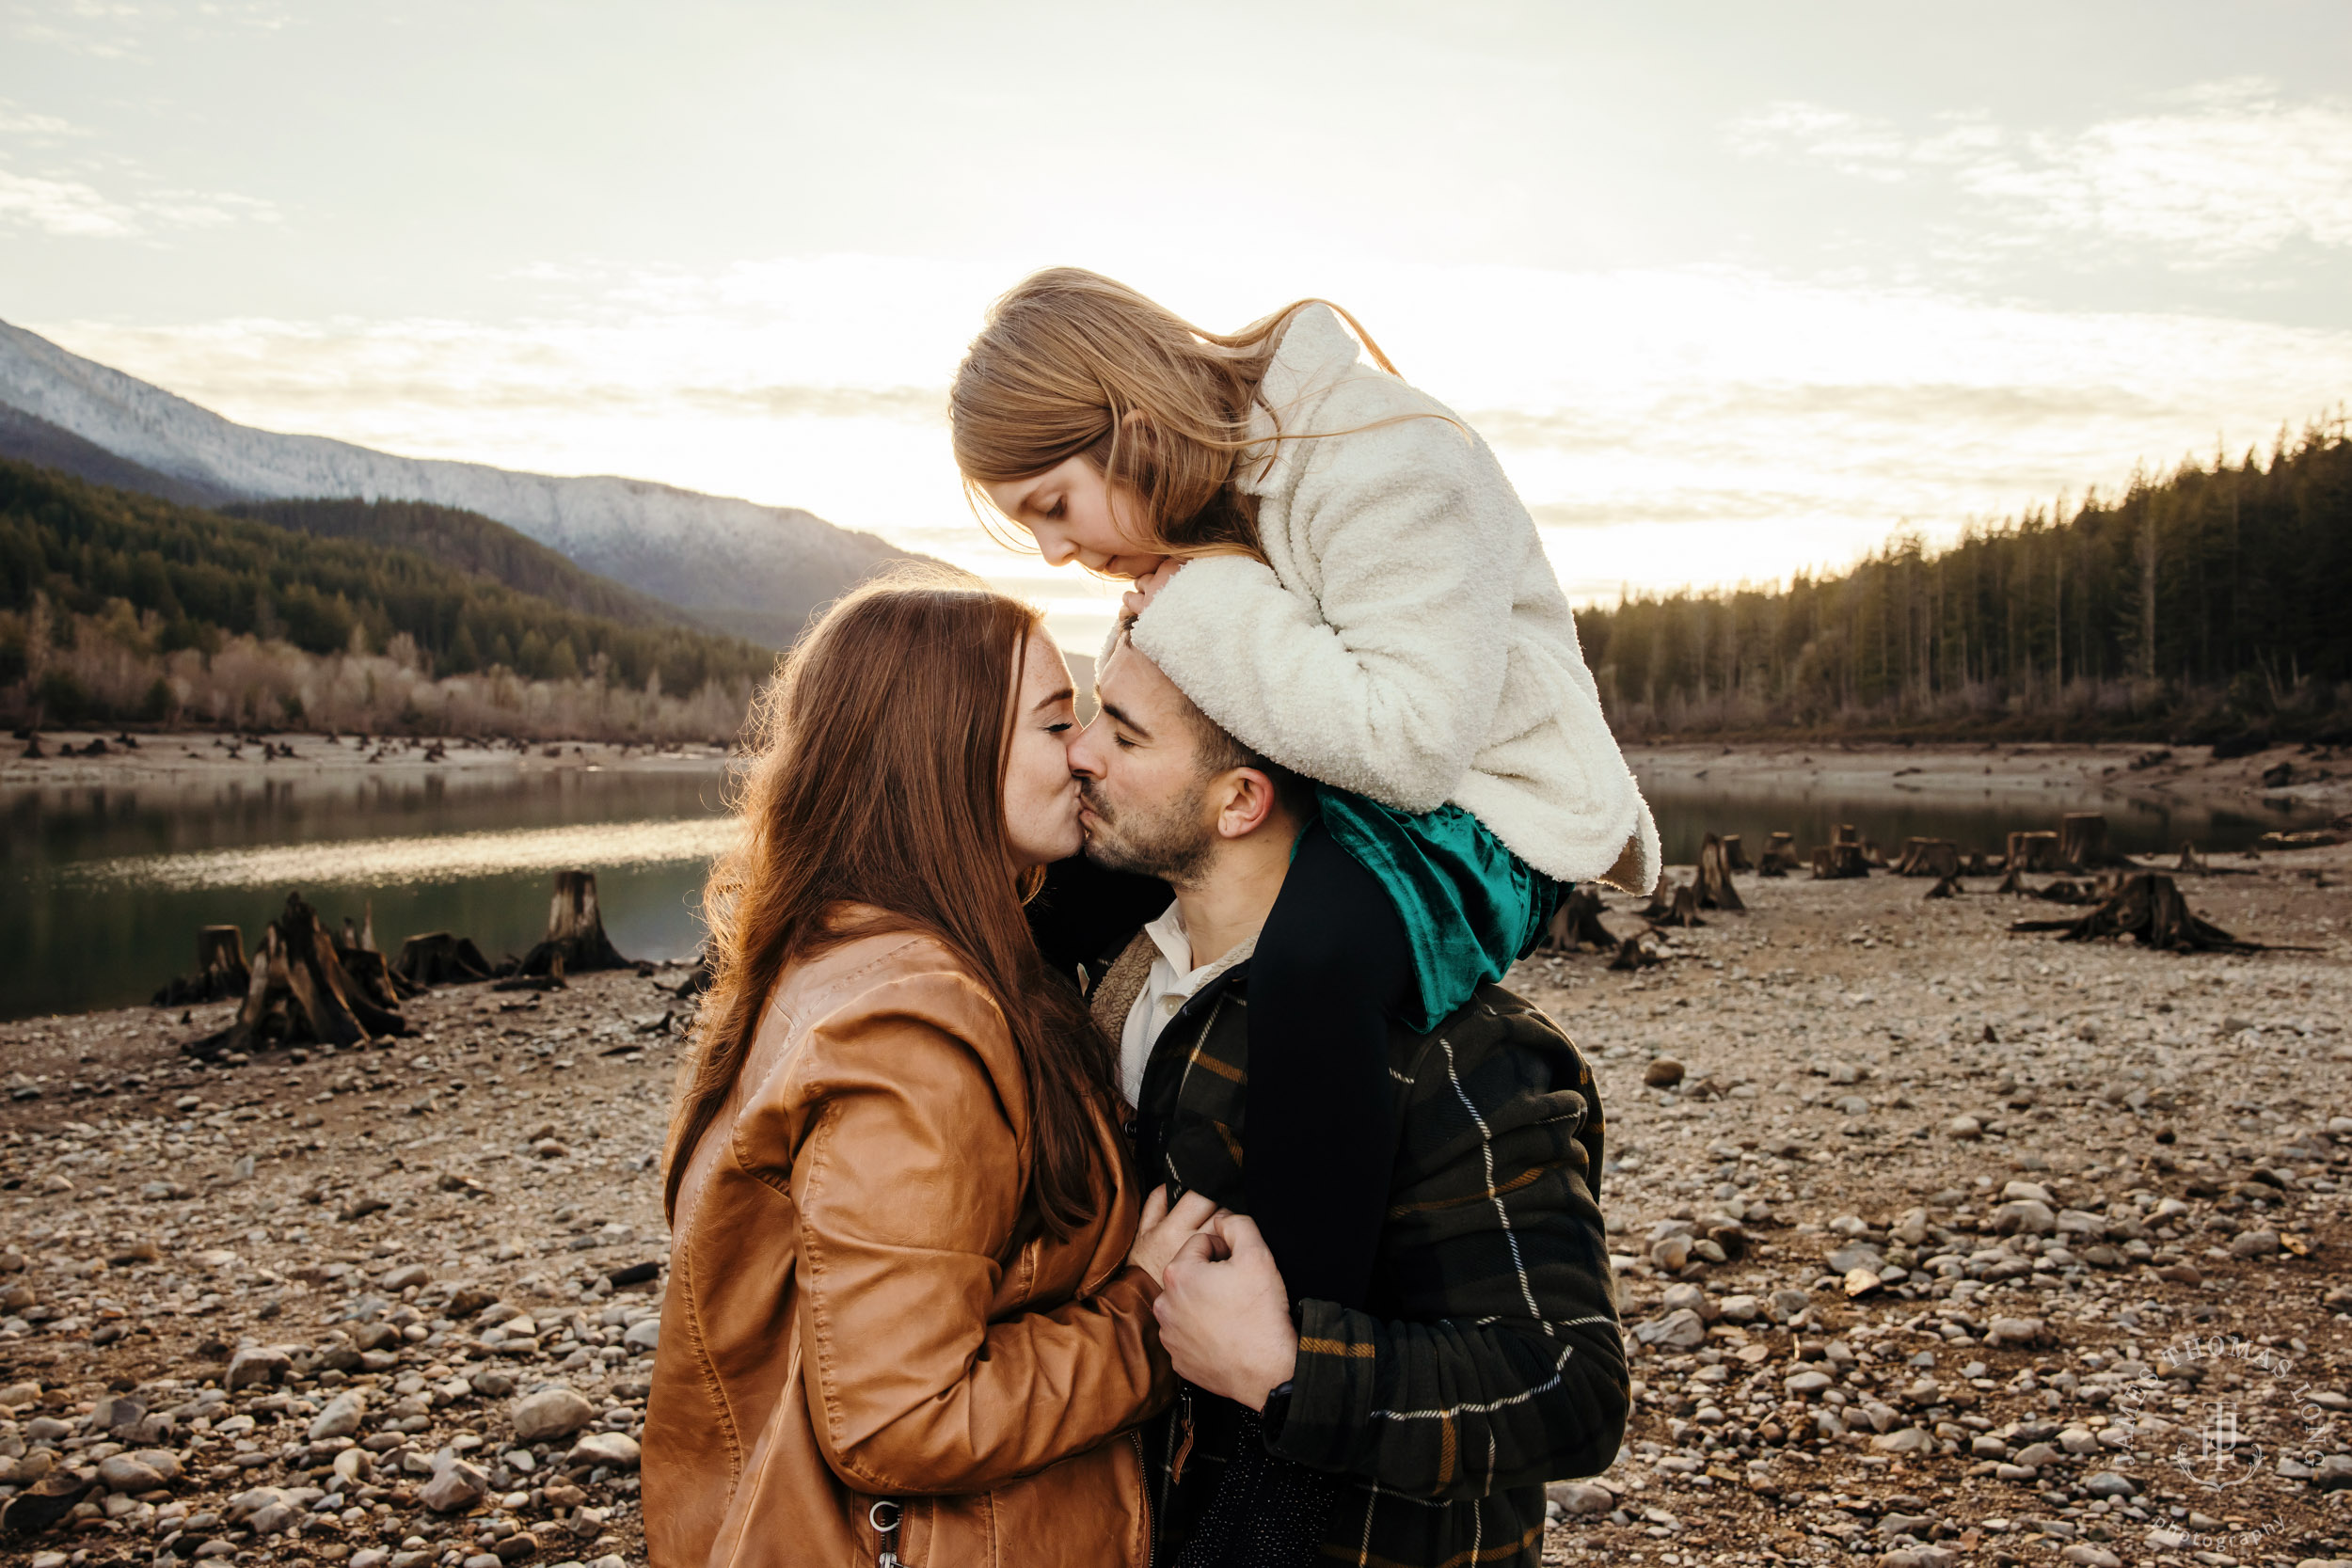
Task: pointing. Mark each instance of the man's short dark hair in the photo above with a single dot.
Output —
(1219, 752)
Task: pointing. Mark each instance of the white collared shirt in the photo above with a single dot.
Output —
(1171, 983)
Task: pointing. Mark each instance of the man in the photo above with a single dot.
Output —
(1487, 1358)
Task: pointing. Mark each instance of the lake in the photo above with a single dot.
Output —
(101, 888)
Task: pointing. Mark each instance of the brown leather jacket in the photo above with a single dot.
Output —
(851, 1317)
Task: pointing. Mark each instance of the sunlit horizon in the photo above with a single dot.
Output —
(1728, 304)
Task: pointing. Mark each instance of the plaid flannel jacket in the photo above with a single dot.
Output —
(1490, 1360)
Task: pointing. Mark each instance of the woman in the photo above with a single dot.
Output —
(908, 1281)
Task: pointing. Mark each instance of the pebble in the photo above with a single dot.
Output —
(253, 1363)
(614, 1450)
(1664, 1072)
(551, 1413)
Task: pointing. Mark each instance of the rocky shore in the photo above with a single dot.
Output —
(1940, 1245)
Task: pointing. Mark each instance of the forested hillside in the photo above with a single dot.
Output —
(114, 605)
(2212, 603)
(472, 542)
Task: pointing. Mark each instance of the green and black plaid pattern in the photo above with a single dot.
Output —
(1490, 1360)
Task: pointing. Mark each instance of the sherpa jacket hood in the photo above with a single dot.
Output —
(1405, 637)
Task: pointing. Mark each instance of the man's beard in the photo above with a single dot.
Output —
(1171, 843)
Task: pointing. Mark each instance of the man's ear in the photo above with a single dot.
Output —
(1249, 801)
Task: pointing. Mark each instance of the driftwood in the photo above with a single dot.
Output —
(1715, 891)
(300, 993)
(1780, 856)
(1574, 924)
(2034, 851)
(1736, 857)
(221, 972)
(575, 931)
(2149, 908)
(1929, 857)
(439, 958)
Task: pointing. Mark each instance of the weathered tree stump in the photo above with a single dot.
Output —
(2033, 851)
(221, 972)
(1680, 907)
(1574, 924)
(1946, 887)
(1929, 857)
(1837, 861)
(1735, 856)
(1780, 856)
(299, 992)
(2149, 908)
(1715, 891)
(1636, 952)
(2083, 843)
(575, 931)
(439, 958)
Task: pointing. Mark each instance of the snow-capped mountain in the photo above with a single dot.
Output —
(754, 570)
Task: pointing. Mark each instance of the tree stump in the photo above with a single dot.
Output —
(1679, 908)
(438, 958)
(2012, 883)
(1636, 952)
(1575, 924)
(1929, 857)
(1715, 891)
(1735, 856)
(1947, 887)
(1837, 861)
(299, 992)
(2149, 908)
(2191, 862)
(2033, 851)
(575, 931)
(221, 972)
(1780, 856)
(2083, 843)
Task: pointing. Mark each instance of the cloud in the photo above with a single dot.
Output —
(1665, 426)
(73, 209)
(2226, 173)
(39, 129)
(66, 208)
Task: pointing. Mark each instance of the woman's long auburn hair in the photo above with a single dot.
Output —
(1070, 363)
(879, 782)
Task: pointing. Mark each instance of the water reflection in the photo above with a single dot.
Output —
(101, 888)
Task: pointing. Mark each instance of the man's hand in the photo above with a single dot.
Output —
(1224, 1318)
(1164, 1231)
(1138, 598)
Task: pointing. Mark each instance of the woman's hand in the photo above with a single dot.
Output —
(1225, 1320)
(1147, 587)
(1165, 1231)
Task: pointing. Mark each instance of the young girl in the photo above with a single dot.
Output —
(1333, 567)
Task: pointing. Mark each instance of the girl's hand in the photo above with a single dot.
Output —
(1224, 1318)
(1165, 1231)
(1148, 586)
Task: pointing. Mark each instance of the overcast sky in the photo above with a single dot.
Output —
(1733, 289)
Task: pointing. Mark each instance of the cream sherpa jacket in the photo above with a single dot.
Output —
(1409, 640)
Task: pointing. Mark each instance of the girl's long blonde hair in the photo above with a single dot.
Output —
(1074, 364)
